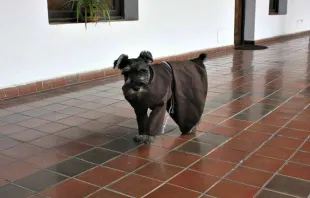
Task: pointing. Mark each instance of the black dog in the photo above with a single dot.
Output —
(179, 87)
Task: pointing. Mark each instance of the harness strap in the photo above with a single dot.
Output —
(171, 109)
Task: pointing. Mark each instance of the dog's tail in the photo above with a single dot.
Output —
(203, 56)
(199, 60)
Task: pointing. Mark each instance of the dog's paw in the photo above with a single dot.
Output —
(137, 138)
(145, 139)
(193, 130)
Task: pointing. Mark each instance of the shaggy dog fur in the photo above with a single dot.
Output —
(179, 87)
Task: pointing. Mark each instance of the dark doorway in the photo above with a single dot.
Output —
(239, 22)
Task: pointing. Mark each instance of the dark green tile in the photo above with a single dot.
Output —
(98, 155)
(290, 186)
(12, 191)
(121, 145)
(71, 167)
(40, 180)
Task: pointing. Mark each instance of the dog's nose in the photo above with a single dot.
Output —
(136, 88)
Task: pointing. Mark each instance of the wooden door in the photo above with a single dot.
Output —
(239, 22)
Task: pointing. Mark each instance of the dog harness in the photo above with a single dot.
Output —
(171, 109)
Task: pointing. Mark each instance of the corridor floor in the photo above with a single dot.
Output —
(253, 141)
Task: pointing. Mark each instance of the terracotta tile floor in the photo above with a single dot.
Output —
(253, 141)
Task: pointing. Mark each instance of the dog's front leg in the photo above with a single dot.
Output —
(154, 124)
(142, 118)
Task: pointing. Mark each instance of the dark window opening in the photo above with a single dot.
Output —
(273, 6)
(58, 13)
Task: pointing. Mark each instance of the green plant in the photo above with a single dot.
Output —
(90, 10)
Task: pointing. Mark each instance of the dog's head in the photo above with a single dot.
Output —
(136, 73)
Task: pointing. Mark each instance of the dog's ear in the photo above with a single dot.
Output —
(146, 56)
(120, 63)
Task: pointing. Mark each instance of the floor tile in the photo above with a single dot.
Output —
(95, 139)
(126, 163)
(72, 110)
(285, 142)
(73, 133)
(196, 148)
(98, 155)
(253, 136)
(271, 194)
(129, 124)
(112, 119)
(276, 152)
(232, 190)
(179, 158)
(27, 135)
(70, 188)
(52, 127)
(45, 159)
(92, 115)
(11, 129)
(296, 170)
(16, 170)
(73, 121)
(72, 148)
(106, 194)
(292, 133)
(11, 190)
(121, 145)
(49, 141)
(5, 113)
(2, 182)
(40, 180)
(32, 122)
(225, 131)
(93, 126)
(213, 167)
(101, 176)
(54, 116)
(257, 127)
(22, 151)
(36, 112)
(263, 163)
(14, 118)
(168, 190)
(149, 152)
(128, 185)
(306, 147)
(228, 155)
(168, 142)
(19, 108)
(55, 107)
(194, 181)
(302, 158)
(6, 143)
(117, 131)
(289, 186)
(5, 160)
(241, 145)
(237, 124)
(90, 105)
(210, 138)
(71, 167)
(250, 176)
(159, 171)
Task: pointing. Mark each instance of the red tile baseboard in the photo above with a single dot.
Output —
(39, 86)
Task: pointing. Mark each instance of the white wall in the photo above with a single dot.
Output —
(32, 50)
(249, 22)
(274, 25)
